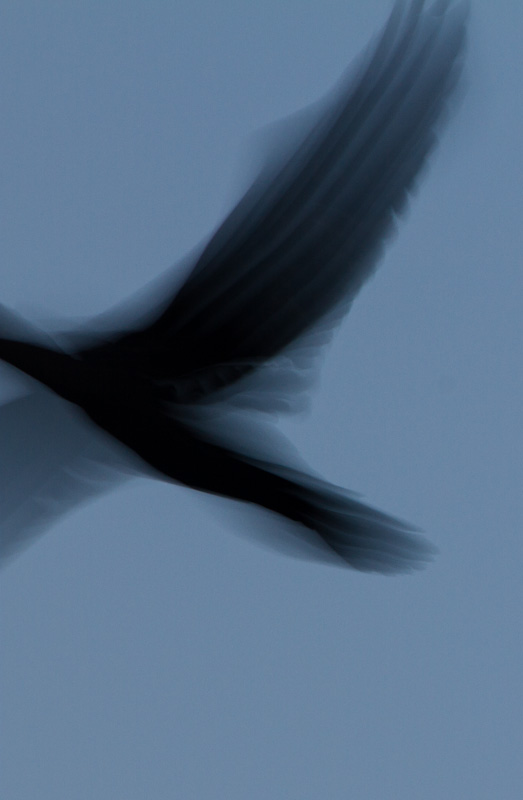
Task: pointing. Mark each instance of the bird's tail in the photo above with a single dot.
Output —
(338, 526)
(329, 523)
(359, 535)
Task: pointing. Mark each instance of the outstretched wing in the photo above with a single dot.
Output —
(299, 245)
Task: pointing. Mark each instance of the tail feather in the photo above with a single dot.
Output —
(332, 520)
(361, 536)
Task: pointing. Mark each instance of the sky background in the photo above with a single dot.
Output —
(147, 651)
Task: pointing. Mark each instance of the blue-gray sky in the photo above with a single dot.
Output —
(147, 651)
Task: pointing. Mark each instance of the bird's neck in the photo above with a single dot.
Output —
(30, 351)
(52, 367)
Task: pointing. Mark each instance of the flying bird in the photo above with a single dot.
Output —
(243, 329)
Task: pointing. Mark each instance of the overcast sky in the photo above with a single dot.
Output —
(147, 651)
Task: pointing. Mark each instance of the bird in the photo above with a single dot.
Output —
(183, 387)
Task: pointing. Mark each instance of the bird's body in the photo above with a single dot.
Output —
(268, 288)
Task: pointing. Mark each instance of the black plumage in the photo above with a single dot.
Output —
(259, 300)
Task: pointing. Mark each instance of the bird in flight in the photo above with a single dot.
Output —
(243, 329)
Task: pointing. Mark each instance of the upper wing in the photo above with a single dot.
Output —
(299, 245)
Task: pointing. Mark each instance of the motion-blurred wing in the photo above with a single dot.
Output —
(297, 248)
(52, 461)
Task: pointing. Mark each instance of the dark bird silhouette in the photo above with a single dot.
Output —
(243, 328)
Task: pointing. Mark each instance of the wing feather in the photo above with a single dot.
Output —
(291, 256)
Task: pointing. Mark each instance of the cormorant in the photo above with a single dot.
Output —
(242, 328)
